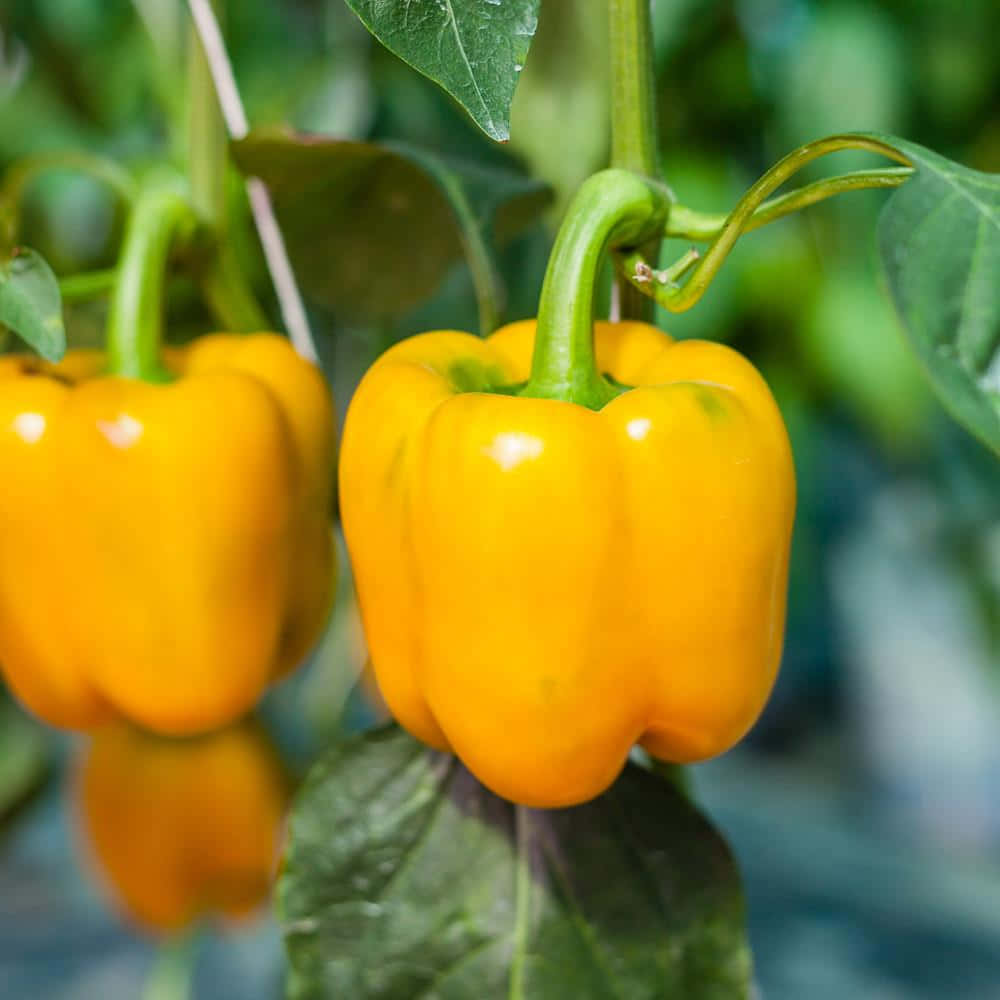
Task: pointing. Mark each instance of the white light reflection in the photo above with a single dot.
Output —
(512, 448)
(638, 428)
(29, 427)
(122, 432)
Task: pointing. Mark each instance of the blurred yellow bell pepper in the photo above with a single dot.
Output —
(165, 549)
(182, 829)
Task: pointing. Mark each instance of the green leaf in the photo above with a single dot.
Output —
(405, 878)
(23, 758)
(30, 303)
(373, 229)
(939, 236)
(474, 49)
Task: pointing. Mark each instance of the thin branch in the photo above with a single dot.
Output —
(275, 252)
(679, 298)
(88, 285)
(24, 172)
(690, 224)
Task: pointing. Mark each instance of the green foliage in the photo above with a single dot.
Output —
(30, 303)
(475, 51)
(23, 758)
(560, 118)
(850, 336)
(939, 237)
(856, 46)
(406, 878)
(374, 228)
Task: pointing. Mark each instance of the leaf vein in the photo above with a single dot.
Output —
(963, 192)
(468, 65)
(578, 922)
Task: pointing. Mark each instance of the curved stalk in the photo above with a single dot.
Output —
(135, 322)
(24, 173)
(486, 281)
(689, 224)
(613, 208)
(681, 298)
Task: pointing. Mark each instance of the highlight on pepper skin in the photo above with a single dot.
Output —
(180, 830)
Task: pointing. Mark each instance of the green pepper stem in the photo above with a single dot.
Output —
(612, 209)
(208, 142)
(633, 108)
(160, 213)
(633, 118)
(88, 285)
(272, 242)
(223, 282)
(172, 974)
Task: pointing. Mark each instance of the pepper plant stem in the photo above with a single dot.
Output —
(689, 224)
(223, 281)
(172, 974)
(88, 285)
(160, 213)
(207, 138)
(681, 298)
(290, 301)
(633, 110)
(24, 172)
(486, 282)
(613, 208)
(633, 118)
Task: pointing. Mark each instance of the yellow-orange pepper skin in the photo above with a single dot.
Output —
(543, 585)
(165, 549)
(180, 829)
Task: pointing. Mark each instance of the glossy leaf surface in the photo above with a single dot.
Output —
(939, 236)
(475, 49)
(30, 303)
(405, 878)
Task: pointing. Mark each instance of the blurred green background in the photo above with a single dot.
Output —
(865, 806)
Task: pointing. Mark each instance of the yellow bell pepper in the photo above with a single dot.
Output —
(165, 549)
(182, 829)
(544, 584)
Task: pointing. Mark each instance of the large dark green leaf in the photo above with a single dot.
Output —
(30, 303)
(475, 49)
(939, 236)
(373, 229)
(405, 879)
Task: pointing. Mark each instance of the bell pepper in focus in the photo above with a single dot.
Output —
(182, 829)
(166, 550)
(567, 541)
